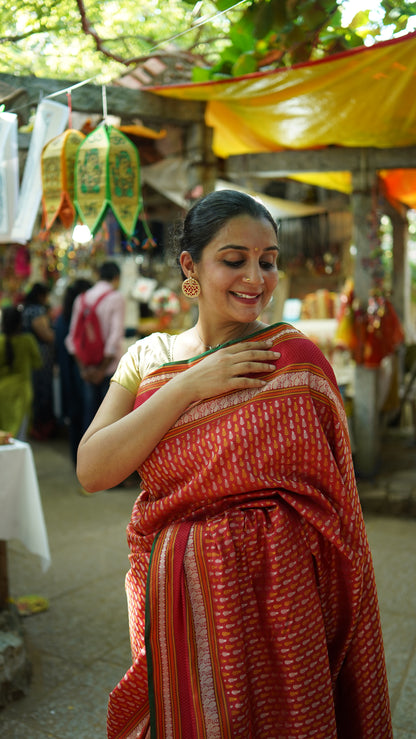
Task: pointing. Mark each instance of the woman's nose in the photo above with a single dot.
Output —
(253, 275)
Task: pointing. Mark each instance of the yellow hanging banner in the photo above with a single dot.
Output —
(361, 97)
(57, 167)
(364, 97)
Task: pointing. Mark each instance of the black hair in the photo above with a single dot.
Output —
(37, 293)
(11, 324)
(71, 292)
(208, 215)
(108, 271)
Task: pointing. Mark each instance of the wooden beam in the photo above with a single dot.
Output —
(121, 101)
(330, 159)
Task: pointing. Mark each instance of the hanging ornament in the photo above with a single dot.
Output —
(370, 332)
(384, 330)
(107, 175)
(58, 167)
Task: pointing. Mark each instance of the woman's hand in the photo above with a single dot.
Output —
(233, 367)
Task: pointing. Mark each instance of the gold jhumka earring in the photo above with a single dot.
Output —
(191, 287)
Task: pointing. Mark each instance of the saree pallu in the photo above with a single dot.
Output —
(252, 603)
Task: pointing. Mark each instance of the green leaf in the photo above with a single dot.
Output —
(245, 64)
(201, 74)
(360, 19)
(225, 4)
(242, 39)
(336, 19)
(229, 56)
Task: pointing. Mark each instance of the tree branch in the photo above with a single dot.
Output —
(100, 43)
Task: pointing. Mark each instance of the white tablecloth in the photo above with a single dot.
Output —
(21, 513)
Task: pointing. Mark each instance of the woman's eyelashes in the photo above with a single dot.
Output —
(240, 263)
(236, 264)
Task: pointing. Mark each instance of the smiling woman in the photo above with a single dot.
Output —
(237, 274)
(251, 589)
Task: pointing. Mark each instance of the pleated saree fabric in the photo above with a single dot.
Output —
(252, 602)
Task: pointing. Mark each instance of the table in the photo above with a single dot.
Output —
(21, 513)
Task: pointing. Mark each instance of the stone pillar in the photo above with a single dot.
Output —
(202, 160)
(401, 283)
(366, 415)
(4, 579)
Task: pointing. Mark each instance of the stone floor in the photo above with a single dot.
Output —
(79, 647)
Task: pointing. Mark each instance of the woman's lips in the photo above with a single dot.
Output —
(248, 297)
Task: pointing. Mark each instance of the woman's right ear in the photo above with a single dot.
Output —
(187, 264)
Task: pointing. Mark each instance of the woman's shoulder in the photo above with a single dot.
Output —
(277, 329)
(33, 309)
(152, 351)
(142, 357)
(31, 312)
(301, 348)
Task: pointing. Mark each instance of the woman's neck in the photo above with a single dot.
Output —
(211, 339)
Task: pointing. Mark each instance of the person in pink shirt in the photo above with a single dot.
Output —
(110, 312)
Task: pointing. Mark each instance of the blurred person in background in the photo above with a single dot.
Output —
(71, 385)
(19, 357)
(110, 312)
(36, 320)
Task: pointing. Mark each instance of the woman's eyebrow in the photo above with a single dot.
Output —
(274, 247)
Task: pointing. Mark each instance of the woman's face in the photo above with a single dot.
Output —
(238, 270)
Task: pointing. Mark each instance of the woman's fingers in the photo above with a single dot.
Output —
(247, 361)
(251, 345)
(233, 367)
(243, 368)
(252, 357)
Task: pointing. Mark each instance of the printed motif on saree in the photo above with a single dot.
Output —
(252, 602)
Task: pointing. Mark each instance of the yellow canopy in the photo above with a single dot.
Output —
(363, 97)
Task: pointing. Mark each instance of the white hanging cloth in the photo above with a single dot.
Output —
(9, 174)
(50, 121)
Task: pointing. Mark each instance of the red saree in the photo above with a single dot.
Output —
(252, 603)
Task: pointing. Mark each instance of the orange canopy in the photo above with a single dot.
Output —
(362, 97)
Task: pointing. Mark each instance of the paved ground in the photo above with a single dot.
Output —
(79, 648)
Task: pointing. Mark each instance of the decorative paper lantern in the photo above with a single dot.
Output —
(58, 168)
(107, 175)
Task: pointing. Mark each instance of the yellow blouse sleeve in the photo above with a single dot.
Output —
(144, 356)
(127, 373)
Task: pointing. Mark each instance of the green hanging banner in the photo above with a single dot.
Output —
(107, 175)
